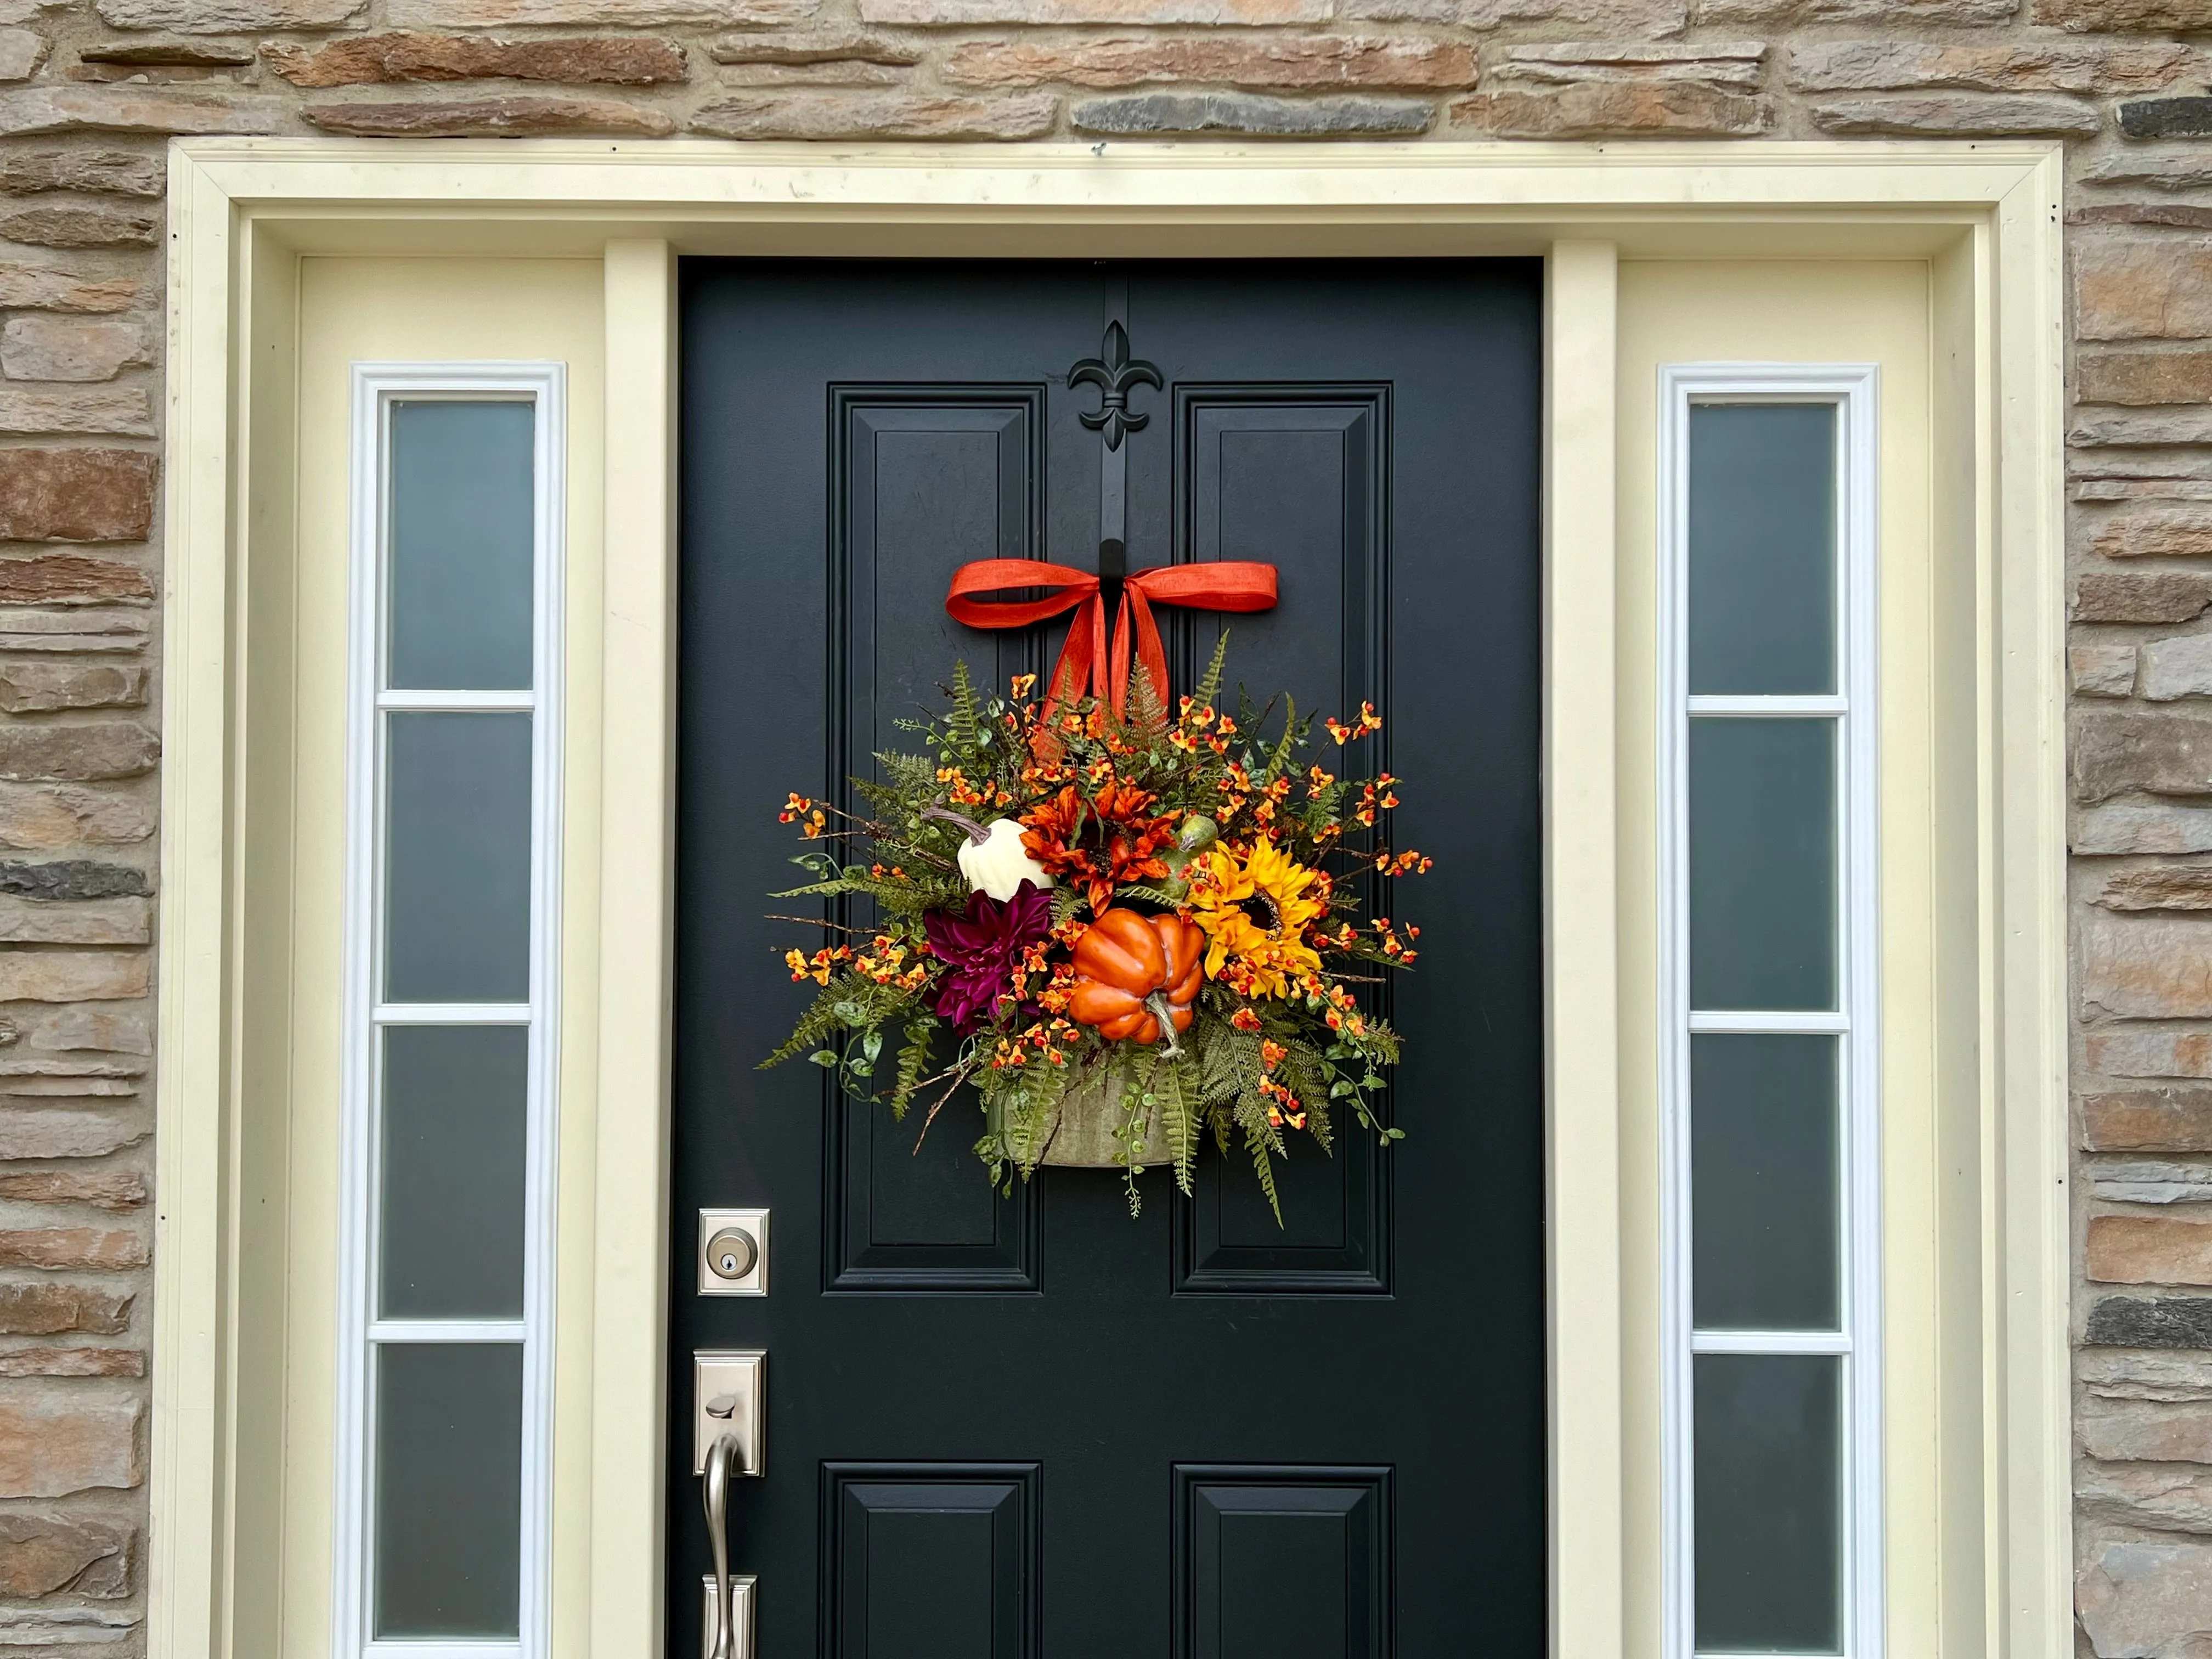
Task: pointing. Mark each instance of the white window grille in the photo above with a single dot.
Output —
(445, 1297)
(1769, 1061)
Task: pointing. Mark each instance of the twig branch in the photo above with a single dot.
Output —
(938, 1105)
(816, 921)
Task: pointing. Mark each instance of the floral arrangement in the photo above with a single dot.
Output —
(1133, 918)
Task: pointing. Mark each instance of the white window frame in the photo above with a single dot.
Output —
(376, 386)
(1854, 389)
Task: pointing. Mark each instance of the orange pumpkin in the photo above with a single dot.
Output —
(1127, 966)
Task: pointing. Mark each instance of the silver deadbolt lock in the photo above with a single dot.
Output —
(732, 1253)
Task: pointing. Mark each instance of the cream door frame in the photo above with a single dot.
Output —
(243, 212)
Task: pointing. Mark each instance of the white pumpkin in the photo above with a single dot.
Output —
(999, 863)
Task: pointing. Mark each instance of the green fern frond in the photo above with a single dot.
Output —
(1286, 747)
(1022, 1101)
(907, 779)
(900, 898)
(822, 889)
(1178, 1118)
(1150, 894)
(1264, 1144)
(1066, 901)
(1209, 683)
(1148, 709)
(965, 722)
(1307, 1075)
(822, 1017)
(1230, 1063)
(912, 1061)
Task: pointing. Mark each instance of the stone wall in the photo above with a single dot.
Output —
(2141, 658)
(93, 87)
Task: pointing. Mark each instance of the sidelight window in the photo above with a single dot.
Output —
(1769, 1075)
(447, 1295)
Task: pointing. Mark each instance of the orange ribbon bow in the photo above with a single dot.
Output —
(1084, 662)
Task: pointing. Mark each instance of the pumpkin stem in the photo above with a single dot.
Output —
(1163, 1012)
(976, 832)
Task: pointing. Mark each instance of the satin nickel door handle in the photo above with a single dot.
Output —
(727, 1425)
(725, 1461)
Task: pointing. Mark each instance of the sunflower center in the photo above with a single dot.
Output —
(1263, 910)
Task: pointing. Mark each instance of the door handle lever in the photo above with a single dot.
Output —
(725, 1458)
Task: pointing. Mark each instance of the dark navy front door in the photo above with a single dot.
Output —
(1001, 1427)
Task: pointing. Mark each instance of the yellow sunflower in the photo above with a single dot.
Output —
(1227, 890)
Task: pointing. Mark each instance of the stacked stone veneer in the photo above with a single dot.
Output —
(2141, 659)
(94, 86)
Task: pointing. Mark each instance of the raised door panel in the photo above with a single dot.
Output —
(1282, 1563)
(924, 479)
(930, 1561)
(1296, 476)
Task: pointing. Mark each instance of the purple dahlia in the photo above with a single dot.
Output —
(983, 947)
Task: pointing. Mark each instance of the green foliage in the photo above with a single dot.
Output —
(1179, 1116)
(822, 1017)
(1136, 1116)
(911, 897)
(965, 723)
(912, 1061)
(1067, 905)
(1148, 704)
(1308, 1076)
(1231, 1092)
(1265, 1142)
(1020, 1102)
(1286, 754)
(1208, 688)
(907, 779)
(1147, 893)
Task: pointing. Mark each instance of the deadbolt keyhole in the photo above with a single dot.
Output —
(731, 1253)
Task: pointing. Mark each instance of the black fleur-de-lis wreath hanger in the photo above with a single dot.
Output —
(1116, 374)
(1088, 663)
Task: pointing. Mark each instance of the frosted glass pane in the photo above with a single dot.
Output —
(448, 1489)
(461, 545)
(1762, 864)
(1766, 1203)
(457, 871)
(1768, 1498)
(1762, 548)
(455, 1112)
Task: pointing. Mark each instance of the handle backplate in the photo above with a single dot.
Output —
(741, 1616)
(728, 1396)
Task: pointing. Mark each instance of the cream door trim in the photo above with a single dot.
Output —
(636, 945)
(1581, 1039)
(244, 211)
